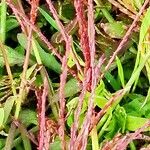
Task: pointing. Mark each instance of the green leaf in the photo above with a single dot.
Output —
(100, 88)
(104, 123)
(133, 123)
(138, 3)
(8, 107)
(133, 108)
(71, 105)
(71, 61)
(94, 137)
(112, 81)
(146, 109)
(120, 115)
(115, 29)
(1, 117)
(56, 145)
(20, 50)
(2, 143)
(38, 82)
(68, 11)
(47, 59)
(49, 18)
(120, 71)
(11, 23)
(71, 87)
(100, 101)
(25, 138)
(70, 119)
(144, 26)
(28, 117)
(118, 122)
(112, 129)
(30, 71)
(14, 57)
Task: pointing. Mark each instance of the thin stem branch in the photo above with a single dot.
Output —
(91, 36)
(41, 97)
(63, 76)
(83, 32)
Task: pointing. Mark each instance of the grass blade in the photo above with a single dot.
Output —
(120, 71)
(3, 20)
(49, 18)
(94, 138)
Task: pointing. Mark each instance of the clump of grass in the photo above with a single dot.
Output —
(77, 83)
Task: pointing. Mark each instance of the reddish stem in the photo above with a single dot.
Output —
(63, 76)
(83, 32)
(41, 97)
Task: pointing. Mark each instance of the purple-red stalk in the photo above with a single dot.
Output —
(75, 125)
(91, 38)
(41, 98)
(80, 141)
(63, 76)
(84, 42)
(83, 32)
